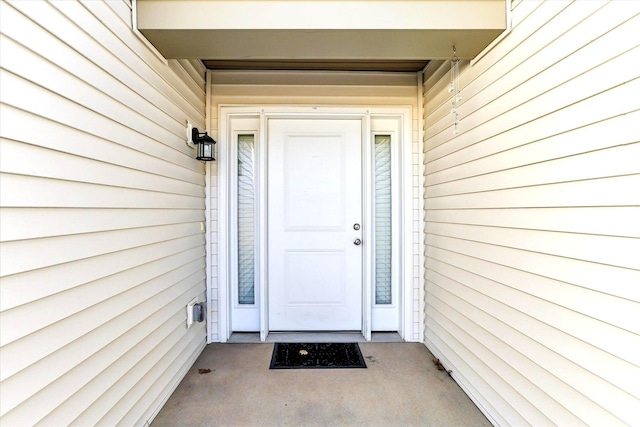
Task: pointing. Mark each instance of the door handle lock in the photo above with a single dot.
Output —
(356, 226)
(357, 242)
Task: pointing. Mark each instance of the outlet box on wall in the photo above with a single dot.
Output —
(190, 307)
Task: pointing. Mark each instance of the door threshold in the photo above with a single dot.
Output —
(254, 337)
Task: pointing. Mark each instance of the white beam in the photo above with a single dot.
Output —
(313, 29)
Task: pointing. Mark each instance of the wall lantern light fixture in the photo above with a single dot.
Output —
(205, 145)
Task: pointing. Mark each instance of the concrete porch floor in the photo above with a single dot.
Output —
(400, 387)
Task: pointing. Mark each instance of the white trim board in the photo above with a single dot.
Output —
(226, 113)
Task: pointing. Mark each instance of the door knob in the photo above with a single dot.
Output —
(356, 226)
(357, 242)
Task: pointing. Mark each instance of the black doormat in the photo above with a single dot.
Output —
(316, 356)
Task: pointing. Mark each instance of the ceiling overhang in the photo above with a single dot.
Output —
(309, 31)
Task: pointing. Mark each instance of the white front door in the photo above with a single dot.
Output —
(314, 204)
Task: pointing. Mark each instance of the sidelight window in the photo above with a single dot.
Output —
(383, 221)
(246, 219)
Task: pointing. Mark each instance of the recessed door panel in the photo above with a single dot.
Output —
(315, 279)
(314, 167)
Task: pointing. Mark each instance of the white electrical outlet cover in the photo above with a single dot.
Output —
(190, 311)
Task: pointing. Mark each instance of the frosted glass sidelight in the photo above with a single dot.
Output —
(382, 212)
(246, 220)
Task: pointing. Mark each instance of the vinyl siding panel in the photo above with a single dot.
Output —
(531, 212)
(322, 89)
(101, 213)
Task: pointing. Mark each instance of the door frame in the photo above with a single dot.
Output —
(226, 114)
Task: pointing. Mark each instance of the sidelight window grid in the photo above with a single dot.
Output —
(382, 218)
(246, 220)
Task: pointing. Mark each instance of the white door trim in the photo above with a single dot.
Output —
(224, 203)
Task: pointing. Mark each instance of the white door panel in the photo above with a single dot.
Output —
(314, 199)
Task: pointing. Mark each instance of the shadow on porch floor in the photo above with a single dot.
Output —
(401, 386)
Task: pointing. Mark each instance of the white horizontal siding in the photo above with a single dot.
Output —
(122, 8)
(532, 231)
(101, 214)
(321, 88)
